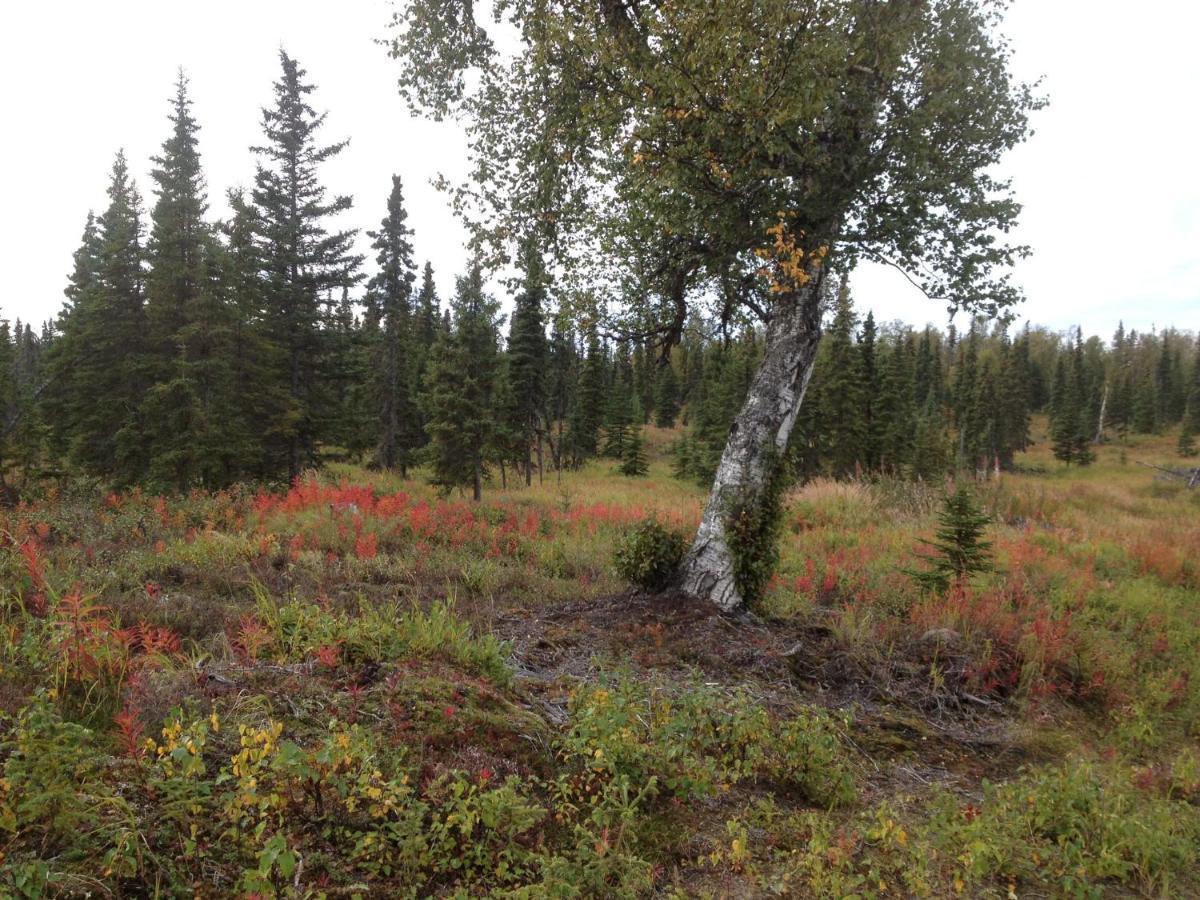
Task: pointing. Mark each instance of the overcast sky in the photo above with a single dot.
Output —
(1109, 183)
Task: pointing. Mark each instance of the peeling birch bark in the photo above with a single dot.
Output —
(758, 435)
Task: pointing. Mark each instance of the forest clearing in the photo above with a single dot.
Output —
(626, 470)
(356, 687)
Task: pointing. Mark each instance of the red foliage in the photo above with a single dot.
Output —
(1020, 632)
(33, 565)
(129, 732)
(366, 545)
(151, 640)
(329, 655)
(251, 638)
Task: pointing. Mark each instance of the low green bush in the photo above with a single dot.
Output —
(649, 555)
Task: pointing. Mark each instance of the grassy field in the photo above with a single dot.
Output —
(355, 688)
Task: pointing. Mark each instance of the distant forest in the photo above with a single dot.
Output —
(199, 353)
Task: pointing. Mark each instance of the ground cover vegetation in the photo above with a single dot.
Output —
(406, 619)
(360, 685)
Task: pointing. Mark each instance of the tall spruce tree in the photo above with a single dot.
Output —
(191, 411)
(620, 410)
(526, 369)
(666, 395)
(842, 394)
(59, 399)
(459, 399)
(428, 316)
(562, 382)
(102, 361)
(395, 363)
(1070, 431)
(258, 356)
(869, 365)
(1014, 397)
(1165, 385)
(589, 410)
(895, 406)
(22, 430)
(350, 419)
(303, 260)
(179, 237)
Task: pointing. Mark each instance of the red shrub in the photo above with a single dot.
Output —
(366, 545)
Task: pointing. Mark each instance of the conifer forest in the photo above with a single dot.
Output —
(651, 559)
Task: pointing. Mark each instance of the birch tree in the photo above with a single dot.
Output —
(734, 153)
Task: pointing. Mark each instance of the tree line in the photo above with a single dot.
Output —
(890, 399)
(193, 352)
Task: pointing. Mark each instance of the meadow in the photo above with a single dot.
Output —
(358, 688)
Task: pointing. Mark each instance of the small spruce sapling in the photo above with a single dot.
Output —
(959, 545)
(633, 455)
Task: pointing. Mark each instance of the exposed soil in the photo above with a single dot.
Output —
(910, 734)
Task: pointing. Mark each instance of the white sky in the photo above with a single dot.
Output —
(1112, 200)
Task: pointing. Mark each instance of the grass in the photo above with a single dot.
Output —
(356, 686)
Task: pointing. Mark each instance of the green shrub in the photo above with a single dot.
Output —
(383, 633)
(1071, 828)
(753, 528)
(649, 555)
(697, 742)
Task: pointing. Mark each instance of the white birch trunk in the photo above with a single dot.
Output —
(758, 437)
(1099, 438)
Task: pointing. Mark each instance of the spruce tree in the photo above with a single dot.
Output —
(395, 369)
(644, 380)
(927, 371)
(619, 411)
(527, 361)
(843, 394)
(969, 412)
(618, 420)
(894, 422)
(1120, 401)
(868, 364)
(589, 410)
(351, 419)
(1013, 398)
(179, 236)
(981, 442)
(259, 425)
(1145, 412)
(459, 390)
(428, 316)
(508, 445)
(1070, 430)
(931, 453)
(191, 411)
(8, 396)
(23, 431)
(1165, 387)
(1191, 414)
(633, 459)
(1065, 424)
(59, 399)
(562, 377)
(959, 547)
(303, 260)
(666, 396)
(102, 360)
